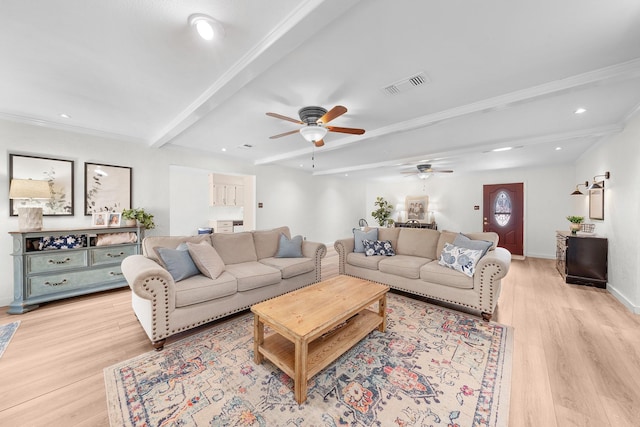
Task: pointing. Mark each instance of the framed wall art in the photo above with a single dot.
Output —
(107, 188)
(57, 172)
(596, 202)
(417, 207)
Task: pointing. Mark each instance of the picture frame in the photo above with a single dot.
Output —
(58, 173)
(417, 208)
(115, 219)
(596, 202)
(100, 219)
(107, 188)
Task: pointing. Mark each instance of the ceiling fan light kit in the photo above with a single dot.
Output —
(313, 133)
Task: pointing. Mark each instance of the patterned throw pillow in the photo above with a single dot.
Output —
(377, 247)
(62, 242)
(461, 259)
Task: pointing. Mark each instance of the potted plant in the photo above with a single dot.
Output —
(139, 215)
(576, 222)
(383, 213)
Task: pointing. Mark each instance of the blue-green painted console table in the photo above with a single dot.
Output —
(47, 275)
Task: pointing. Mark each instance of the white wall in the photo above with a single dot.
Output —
(452, 197)
(620, 156)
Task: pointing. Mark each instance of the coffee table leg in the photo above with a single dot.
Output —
(382, 311)
(300, 370)
(258, 339)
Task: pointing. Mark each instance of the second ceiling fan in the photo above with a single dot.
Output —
(315, 121)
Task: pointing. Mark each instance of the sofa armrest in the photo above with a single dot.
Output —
(343, 247)
(150, 281)
(317, 251)
(489, 271)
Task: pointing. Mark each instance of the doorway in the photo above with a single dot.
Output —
(503, 213)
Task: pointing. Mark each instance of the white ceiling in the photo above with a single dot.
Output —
(501, 73)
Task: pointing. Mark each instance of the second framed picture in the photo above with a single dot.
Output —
(107, 188)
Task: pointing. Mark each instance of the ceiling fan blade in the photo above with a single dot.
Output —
(442, 171)
(319, 143)
(409, 173)
(291, 132)
(336, 111)
(280, 116)
(353, 131)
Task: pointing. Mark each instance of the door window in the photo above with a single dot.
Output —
(502, 208)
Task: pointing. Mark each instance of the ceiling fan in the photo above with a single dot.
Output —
(424, 169)
(315, 121)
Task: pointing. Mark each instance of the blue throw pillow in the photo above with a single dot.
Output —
(464, 242)
(359, 236)
(289, 248)
(178, 262)
(377, 247)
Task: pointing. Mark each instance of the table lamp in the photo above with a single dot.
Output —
(29, 217)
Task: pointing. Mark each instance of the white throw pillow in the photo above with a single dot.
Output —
(460, 259)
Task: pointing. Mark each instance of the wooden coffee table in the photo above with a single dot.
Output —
(315, 325)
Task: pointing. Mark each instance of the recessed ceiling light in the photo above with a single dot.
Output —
(502, 149)
(224, 149)
(580, 110)
(65, 116)
(558, 148)
(206, 26)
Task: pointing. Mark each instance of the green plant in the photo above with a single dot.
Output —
(383, 212)
(140, 215)
(575, 219)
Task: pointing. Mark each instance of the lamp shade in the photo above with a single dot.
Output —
(313, 133)
(29, 189)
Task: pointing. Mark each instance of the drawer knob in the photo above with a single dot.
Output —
(64, 282)
(64, 261)
(115, 255)
(111, 273)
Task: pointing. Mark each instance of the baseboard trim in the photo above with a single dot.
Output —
(624, 300)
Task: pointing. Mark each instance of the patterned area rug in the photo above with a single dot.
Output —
(432, 366)
(6, 333)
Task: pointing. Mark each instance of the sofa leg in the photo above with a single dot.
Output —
(159, 345)
(486, 316)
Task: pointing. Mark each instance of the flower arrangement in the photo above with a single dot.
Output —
(575, 219)
(140, 215)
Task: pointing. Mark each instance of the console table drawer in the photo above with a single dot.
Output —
(54, 283)
(111, 255)
(56, 261)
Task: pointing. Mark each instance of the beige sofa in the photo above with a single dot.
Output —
(251, 274)
(415, 268)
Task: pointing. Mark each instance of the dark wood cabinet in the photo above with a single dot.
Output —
(582, 260)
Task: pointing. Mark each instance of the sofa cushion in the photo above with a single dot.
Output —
(360, 235)
(461, 259)
(389, 233)
(253, 274)
(435, 273)
(198, 289)
(235, 248)
(403, 265)
(290, 267)
(465, 242)
(419, 242)
(206, 258)
(178, 262)
(445, 237)
(289, 247)
(266, 241)
(361, 260)
(378, 247)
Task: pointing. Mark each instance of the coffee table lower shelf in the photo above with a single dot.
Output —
(324, 349)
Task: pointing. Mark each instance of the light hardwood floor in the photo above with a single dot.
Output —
(576, 357)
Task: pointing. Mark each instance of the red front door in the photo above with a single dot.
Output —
(503, 213)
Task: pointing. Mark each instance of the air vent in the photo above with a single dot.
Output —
(406, 84)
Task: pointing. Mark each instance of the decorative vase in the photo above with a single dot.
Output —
(130, 222)
(574, 228)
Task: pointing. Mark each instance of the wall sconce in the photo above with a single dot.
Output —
(595, 184)
(577, 192)
(29, 217)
